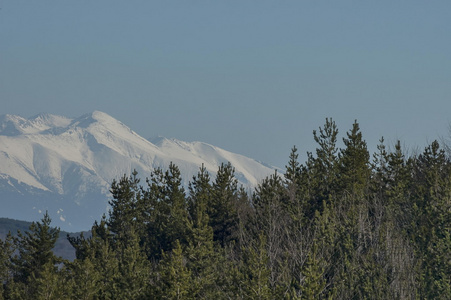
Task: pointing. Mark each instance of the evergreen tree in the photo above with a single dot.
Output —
(354, 163)
(323, 168)
(314, 283)
(174, 280)
(99, 250)
(199, 196)
(254, 271)
(50, 284)
(34, 252)
(431, 223)
(379, 175)
(175, 199)
(294, 185)
(164, 211)
(273, 219)
(201, 256)
(268, 204)
(317, 273)
(293, 168)
(85, 278)
(293, 175)
(123, 212)
(398, 182)
(6, 253)
(152, 215)
(222, 208)
(133, 269)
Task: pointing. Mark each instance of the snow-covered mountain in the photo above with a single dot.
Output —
(66, 166)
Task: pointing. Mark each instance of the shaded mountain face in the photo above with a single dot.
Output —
(66, 166)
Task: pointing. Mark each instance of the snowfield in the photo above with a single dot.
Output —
(66, 166)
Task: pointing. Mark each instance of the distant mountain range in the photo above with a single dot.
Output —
(66, 165)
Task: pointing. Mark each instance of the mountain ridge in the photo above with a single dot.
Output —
(66, 165)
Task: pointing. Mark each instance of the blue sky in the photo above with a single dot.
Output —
(253, 77)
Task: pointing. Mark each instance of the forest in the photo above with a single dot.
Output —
(343, 224)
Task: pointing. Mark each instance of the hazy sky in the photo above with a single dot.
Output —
(253, 77)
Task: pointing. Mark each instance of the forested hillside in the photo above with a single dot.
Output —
(344, 224)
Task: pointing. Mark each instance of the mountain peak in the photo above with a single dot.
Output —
(45, 121)
(95, 117)
(66, 166)
(12, 125)
(102, 116)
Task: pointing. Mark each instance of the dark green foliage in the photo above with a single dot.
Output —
(126, 195)
(254, 272)
(316, 271)
(295, 187)
(84, 278)
(34, 261)
(35, 249)
(336, 227)
(201, 256)
(174, 278)
(162, 212)
(431, 221)
(50, 284)
(222, 207)
(293, 173)
(269, 204)
(273, 220)
(6, 252)
(133, 269)
(354, 169)
(321, 170)
(313, 276)
(176, 206)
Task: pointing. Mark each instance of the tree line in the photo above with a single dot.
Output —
(342, 225)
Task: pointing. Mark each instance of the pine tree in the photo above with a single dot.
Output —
(222, 208)
(317, 271)
(175, 199)
(6, 253)
(85, 278)
(314, 283)
(431, 221)
(174, 280)
(152, 215)
(201, 255)
(50, 284)
(133, 269)
(35, 251)
(123, 212)
(293, 173)
(164, 211)
(255, 272)
(199, 196)
(295, 198)
(268, 204)
(398, 184)
(354, 163)
(273, 219)
(98, 250)
(106, 263)
(379, 175)
(323, 168)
